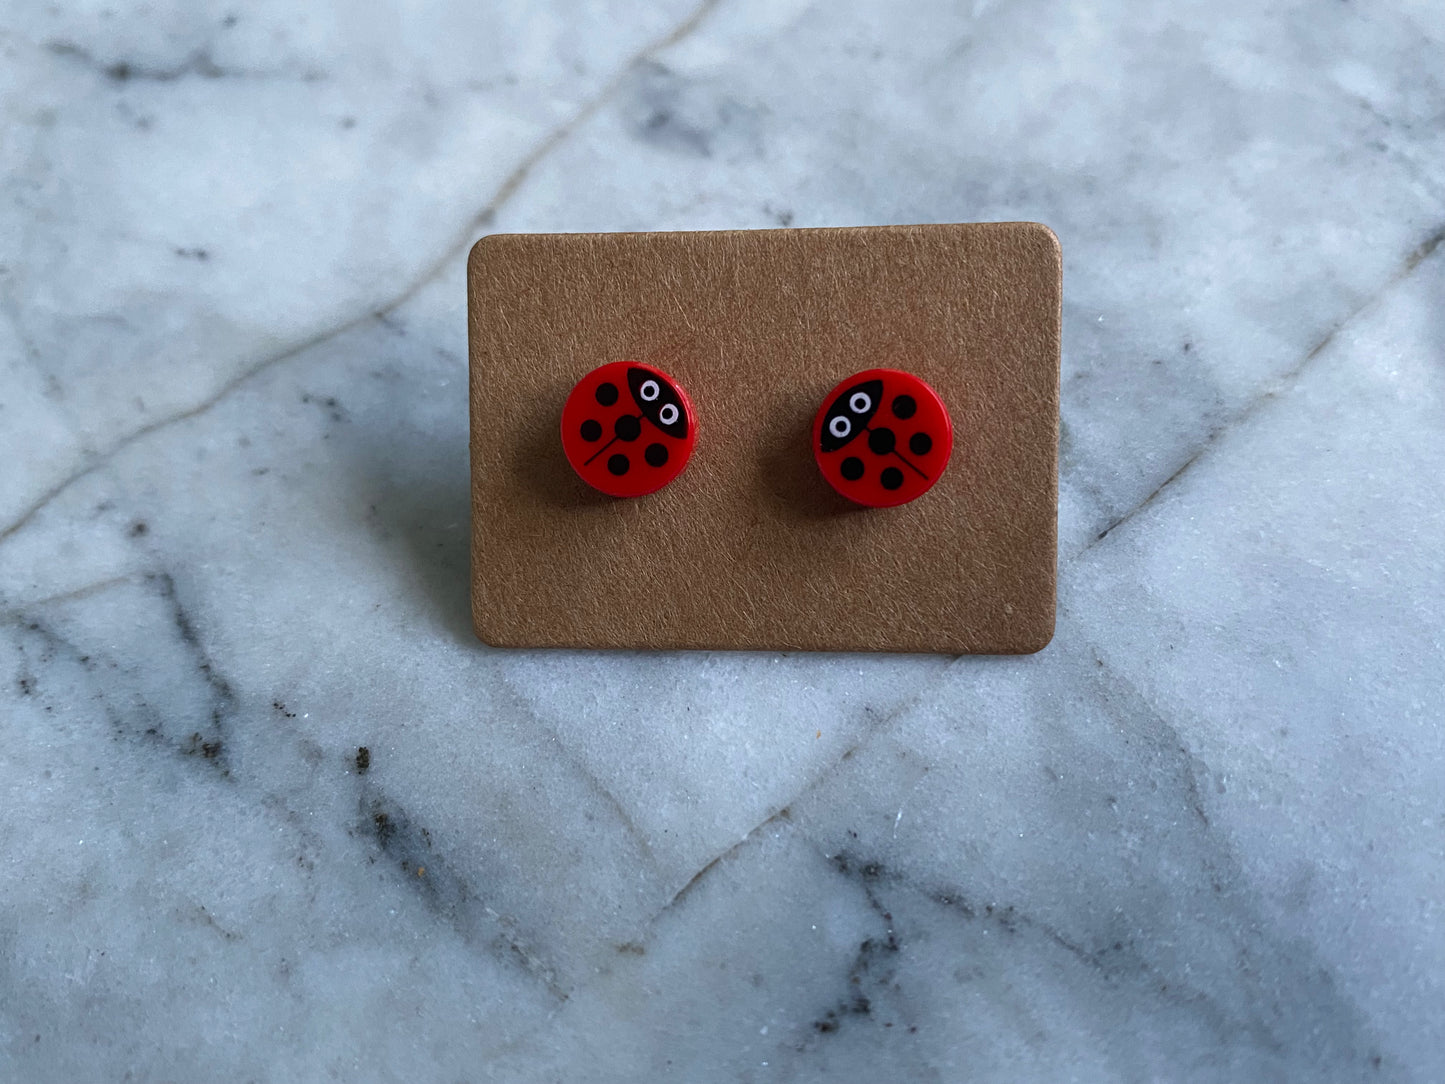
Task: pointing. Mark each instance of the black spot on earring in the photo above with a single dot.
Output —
(904, 406)
(656, 455)
(627, 427)
(891, 478)
(606, 393)
(591, 429)
(881, 441)
(920, 444)
(852, 468)
(619, 465)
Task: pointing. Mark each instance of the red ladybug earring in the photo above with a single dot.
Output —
(628, 429)
(882, 438)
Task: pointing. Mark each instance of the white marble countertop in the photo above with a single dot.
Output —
(1200, 837)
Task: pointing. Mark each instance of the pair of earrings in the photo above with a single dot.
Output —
(881, 438)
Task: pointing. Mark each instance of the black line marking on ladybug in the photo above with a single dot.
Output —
(891, 478)
(591, 430)
(657, 401)
(893, 450)
(656, 455)
(617, 434)
(606, 393)
(852, 468)
(910, 465)
(904, 406)
(920, 444)
(619, 464)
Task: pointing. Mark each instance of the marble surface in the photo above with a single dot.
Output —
(1200, 837)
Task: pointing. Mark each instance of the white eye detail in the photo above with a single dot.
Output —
(667, 414)
(840, 426)
(649, 390)
(860, 403)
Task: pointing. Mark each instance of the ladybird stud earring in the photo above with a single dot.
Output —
(628, 429)
(882, 438)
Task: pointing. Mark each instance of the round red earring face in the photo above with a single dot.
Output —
(628, 429)
(882, 438)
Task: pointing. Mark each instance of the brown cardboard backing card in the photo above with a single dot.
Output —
(749, 547)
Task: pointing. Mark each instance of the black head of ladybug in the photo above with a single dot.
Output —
(849, 413)
(658, 401)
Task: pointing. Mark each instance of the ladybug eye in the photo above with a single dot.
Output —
(859, 403)
(668, 413)
(649, 390)
(840, 426)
